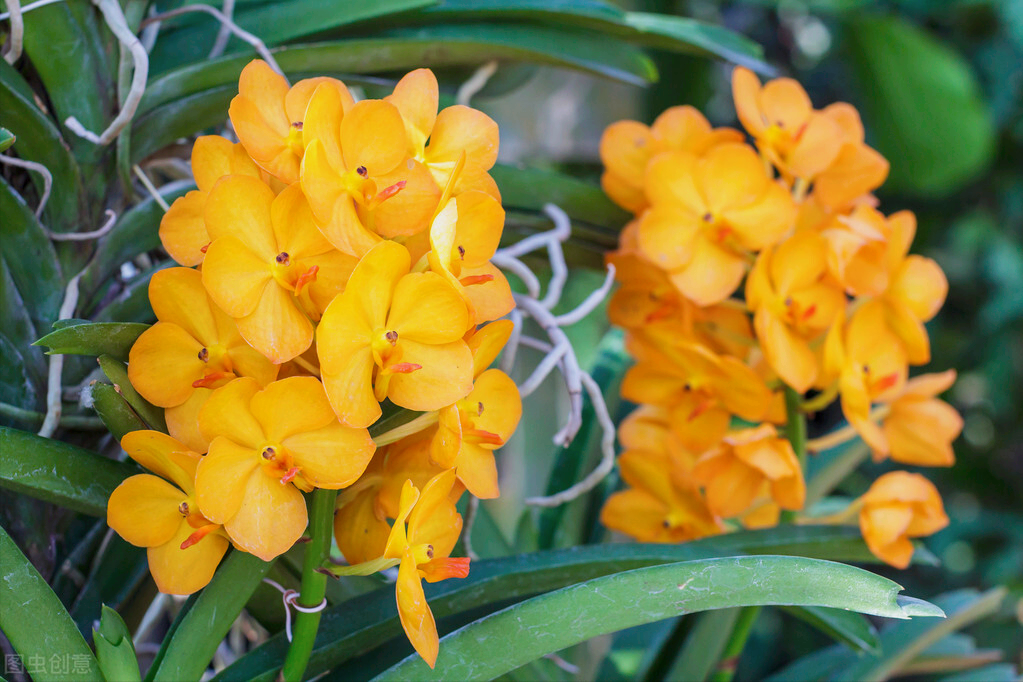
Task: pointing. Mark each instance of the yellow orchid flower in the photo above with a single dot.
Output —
(268, 266)
(794, 302)
(897, 507)
(626, 148)
(659, 505)
(463, 238)
(161, 514)
(920, 428)
(265, 447)
(856, 170)
(269, 117)
(747, 465)
(393, 334)
(673, 430)
(182, 229)
(472, 428)
(423, 550)
(361, 183)
(706, 213)
(437, 141)
(917, 292)
(194, 347)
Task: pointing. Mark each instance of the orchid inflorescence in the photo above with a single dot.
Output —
(335, 266)
(834, 306)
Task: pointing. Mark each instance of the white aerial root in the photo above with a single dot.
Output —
(226, 22)
(224, 34)
(38, 168)
(476, 82)
(150, 187)
(559, 353)
(27, 8)
(54, 405)
(17, 40)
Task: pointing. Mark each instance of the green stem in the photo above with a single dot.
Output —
(795, 432)
(314, 584)
(725, 670)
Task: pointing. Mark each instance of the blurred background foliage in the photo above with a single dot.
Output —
(939, 84)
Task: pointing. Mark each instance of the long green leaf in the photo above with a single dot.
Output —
(846, 627)
(95, 339)
(35, 622)
(510, 638)
(63, 474)
(355, 626)
(199, 633)
(117, 372)
(690, 36)
(114, 410)
(465, 45)
(530, 189)
(704, 645)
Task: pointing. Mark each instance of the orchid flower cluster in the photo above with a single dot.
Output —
(833, 307)
(335, 266)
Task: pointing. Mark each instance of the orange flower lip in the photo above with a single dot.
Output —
(481, 436)
(306, 278)
(199, 535)
(402, 368)
(475, 279)
(212, 378)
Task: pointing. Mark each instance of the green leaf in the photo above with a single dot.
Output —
(185, 655)
(690, 36)
(114, 649)
(18, 387)
(117, 372)
(355, 626)
(1001, 672)
(274, 23)
(427, 47)
(34, 620)
(6, 138)
(531, 188)
(95, 339)
(704, 645)
(902, 643)
(507, 639)
(115, 411)
(844, 626)
(30, 259)
(923, 105)
(56, 472)
(40, 140)
(829, 468)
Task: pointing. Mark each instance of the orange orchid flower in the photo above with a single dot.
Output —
(794, 302)
(673, 430)
(423, 550)
(268, 265)
(897, 507)
(264, 451)
(751, 464)
(437, 141)
(393, 334)
(361, 183)
(865, 249)
(626, 148)
(659, 505)
(193, 348)
(706, 213)
(856, 170)
(182, 230)
(920, 428)
(161, 514)
(269, 117)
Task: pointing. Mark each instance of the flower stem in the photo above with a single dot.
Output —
(795, 431)
(314, 583)
(725, 669)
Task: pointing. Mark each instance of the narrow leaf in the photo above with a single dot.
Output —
(117, 372)
(56, 472)
(844, 626)
(508, 639)
(114, 410)
(35, 621)
(95, 339)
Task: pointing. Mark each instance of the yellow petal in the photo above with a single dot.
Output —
(459, 129)
(667, 237)
(239, 207)
(144, 510)
(730, 176)
(445, 375)
(333, 456)
(783, 100)
(373, 282)
(711, 275)
(487, 342)
(271, 518)
(671, 179)
(921, 285)
(626, 193)
(183, 421)
(489, 300)
(222, 478)
(857, 169)
(227, 413)
(479, 227)
(276, 327)
(299, 97)
(373, 137)
(746, 92)
(788, 354)
(819, 144)
(477, 469)
(185, 571)
(361, 534)
(163, 455)
(416, 96)
(274, 407)
(349, 386)
(427, 309)
(637, 513)
(765, 221)
(321, 179)
(183, 230)
(295, 230)
(163, 363)
(178, 296)
(416, 617)
(625, 149)
(213, 157)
